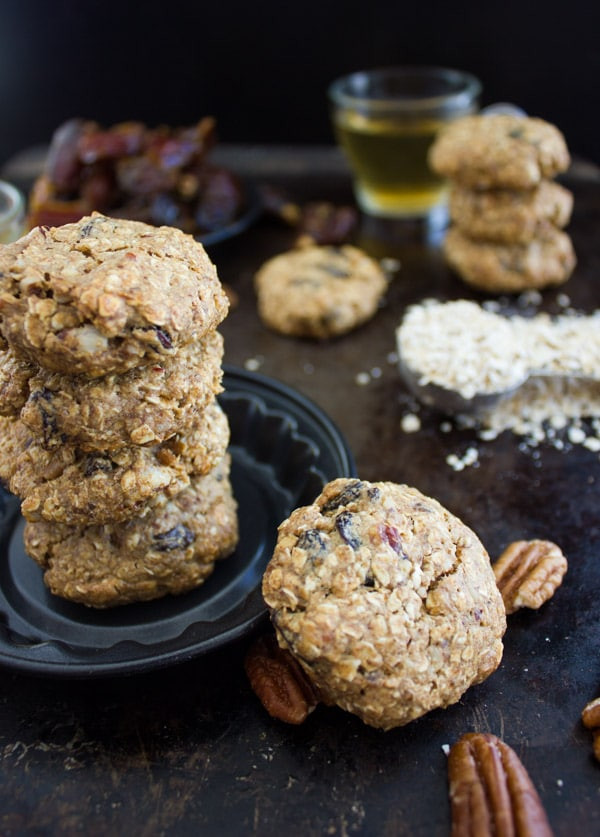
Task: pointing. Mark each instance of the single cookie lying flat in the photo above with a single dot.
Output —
(146, 405)
(171, 550)
(499, 151)
(104, 295)
(511, 268)
(68, 485)
(387, 600)
(319, 291)
(509, 216)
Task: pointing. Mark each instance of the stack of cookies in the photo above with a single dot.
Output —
(506, 209)
(111, 432)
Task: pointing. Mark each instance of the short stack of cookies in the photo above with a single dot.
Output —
(507, 211)
(111, 433)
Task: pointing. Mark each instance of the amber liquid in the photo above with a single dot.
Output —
(389, 160)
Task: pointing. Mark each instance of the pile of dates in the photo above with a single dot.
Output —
(159, 175)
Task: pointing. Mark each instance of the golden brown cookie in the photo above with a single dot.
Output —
(143, 406)
(509, 216)
(319, 291)
(68, 485)
(511, 268)
(499, 151)
(387, 601)
(169, 551)
(105, 295)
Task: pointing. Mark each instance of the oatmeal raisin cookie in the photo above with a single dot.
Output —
(144, 406)
(507, 215)
(319, 291)
(499, 151)
(387, 601)
(549, 259)
(171, 550)
(105, 295)
(68, 485)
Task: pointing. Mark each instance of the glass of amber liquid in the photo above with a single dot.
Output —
(385, 120)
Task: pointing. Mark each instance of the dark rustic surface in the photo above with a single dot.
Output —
(190, 750)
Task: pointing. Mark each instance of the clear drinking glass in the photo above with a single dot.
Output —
(12, 213)
(385, 120)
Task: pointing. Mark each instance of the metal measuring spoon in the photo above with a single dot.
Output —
(531, 348)
(451, 401)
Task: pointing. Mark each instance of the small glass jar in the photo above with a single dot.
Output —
(12, 213)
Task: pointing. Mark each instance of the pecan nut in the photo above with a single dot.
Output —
(591, 720)
(528, 573)
(279, 681)
(491, 792)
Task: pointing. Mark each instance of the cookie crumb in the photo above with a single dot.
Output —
(470, 457)
(531, 297)
(253, 364)
(576, 435)
(410, 423)
(390, 265)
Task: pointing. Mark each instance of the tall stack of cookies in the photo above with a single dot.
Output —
(507, 212)
(111, 433)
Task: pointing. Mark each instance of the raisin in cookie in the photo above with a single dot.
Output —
(171, 550)
(319, 291)
(104, 295)
(507, 215)
(144, 406)
(386, 599)
(499, 151)
(68, 485)
(549, 259)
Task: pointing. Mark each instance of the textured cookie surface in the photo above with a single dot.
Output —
(68, 485)
(509, 216)
(386, 599)
(549, 259)
(319, 291)
(104, 295)
(499, 151)
(14, 382)
(146, 405)
(169, 551)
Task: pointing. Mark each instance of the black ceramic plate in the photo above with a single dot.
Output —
(284, 448)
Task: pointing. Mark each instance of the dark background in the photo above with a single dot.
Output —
(262, 68)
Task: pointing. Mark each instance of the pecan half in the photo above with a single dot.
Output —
(491, 792)
(279, 681)
(591, 720)
(528, 573)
